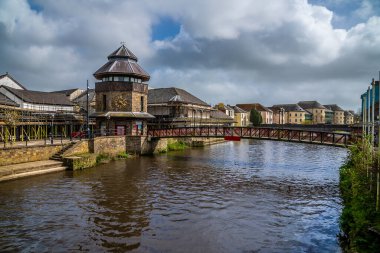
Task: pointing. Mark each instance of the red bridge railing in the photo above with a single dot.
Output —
(295, 135)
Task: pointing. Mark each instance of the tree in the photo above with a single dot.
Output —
(10, 118)
(255, 117)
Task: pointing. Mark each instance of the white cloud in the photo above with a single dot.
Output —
(365, 10)
(267, 51)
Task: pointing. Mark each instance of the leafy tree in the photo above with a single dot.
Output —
(11, 117)
(255, 117)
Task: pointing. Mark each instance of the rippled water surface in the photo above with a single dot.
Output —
(249, 196)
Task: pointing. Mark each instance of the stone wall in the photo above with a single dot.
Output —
(140, 145)
(111, 145)
(81, 147)
(80, 162)
(155, 146)
(14, 155)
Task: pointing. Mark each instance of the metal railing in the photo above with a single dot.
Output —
(294, 135)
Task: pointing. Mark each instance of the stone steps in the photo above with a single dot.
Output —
(58, 156)
(20, 170)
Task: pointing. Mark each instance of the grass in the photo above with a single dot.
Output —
(103, 158)
(176, 146)
(123, 155)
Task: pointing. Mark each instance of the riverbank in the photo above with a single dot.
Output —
(18, 162)
(360, 218)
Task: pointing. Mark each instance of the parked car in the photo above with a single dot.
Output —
(79, 134)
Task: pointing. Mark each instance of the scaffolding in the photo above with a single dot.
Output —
(18, 124)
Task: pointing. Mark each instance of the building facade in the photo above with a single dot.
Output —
(349, 117)
(289, 114)
(175, 107)
(121, 95)
(31, 115)
(317, 111)
(265, 112)
(337, 114)
(241, 117)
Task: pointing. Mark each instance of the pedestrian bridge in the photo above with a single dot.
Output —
(331, 138)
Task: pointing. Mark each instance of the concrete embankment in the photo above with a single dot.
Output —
(20, 170)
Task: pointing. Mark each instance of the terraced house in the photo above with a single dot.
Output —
(241, 117)
(265, 112)
(349, 117)
(291, 114)
(317, 111)
(337, 114)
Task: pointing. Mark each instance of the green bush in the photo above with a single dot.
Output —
(255, 117)
(123, 155)
(178, 145)
(102, 157)
(358, 193)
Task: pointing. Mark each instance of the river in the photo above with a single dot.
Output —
(248, 196)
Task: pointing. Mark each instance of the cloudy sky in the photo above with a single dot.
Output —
(267, 51)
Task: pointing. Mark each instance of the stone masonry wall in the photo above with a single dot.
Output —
(14, 155)
(111, 145)
(81, 147)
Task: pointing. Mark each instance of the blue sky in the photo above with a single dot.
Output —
(165, 28)
(265, 51)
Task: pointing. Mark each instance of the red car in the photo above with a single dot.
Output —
(79, 134)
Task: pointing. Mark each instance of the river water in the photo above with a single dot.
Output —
(249, 196)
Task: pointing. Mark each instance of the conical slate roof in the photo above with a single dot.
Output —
(122, 62)
(122, 52)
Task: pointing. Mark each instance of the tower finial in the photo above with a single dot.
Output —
(122, 43)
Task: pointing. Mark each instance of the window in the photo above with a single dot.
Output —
(296, 114)
(104, 102)
(142, 103)
(295, 120)
(290, 120)
(290, 114)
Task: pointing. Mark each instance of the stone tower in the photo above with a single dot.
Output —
(121, 95)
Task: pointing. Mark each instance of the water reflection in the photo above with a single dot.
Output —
(251, 196)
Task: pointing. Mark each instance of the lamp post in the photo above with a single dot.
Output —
(108, 124)
(87, 113)
(373, 113)
(281, 116)
(51, 128)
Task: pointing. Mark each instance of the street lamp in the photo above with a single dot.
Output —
(108, 124)
(281, 116)
(51, 128)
